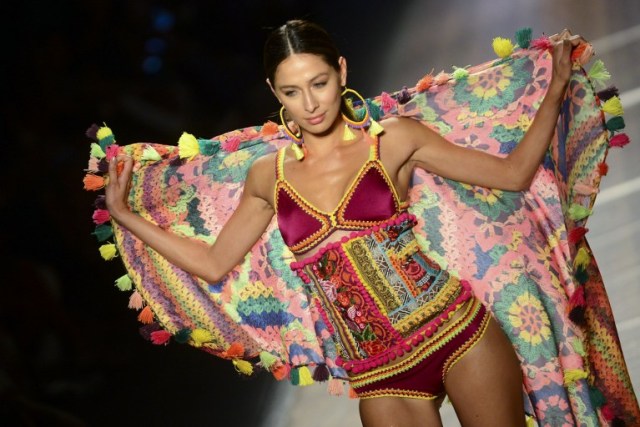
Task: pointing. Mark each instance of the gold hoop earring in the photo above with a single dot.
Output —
(296, 139)
(352, 122)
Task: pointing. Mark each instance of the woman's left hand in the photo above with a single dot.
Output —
(563, 45)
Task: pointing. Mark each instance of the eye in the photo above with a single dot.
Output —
(289, 93)
(319, 85)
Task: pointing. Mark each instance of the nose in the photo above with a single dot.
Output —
(310, 102)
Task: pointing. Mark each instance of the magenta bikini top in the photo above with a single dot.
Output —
(370, 199)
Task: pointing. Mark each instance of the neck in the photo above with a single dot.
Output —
(319, 144)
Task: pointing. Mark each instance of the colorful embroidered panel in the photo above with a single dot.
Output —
(523, 252)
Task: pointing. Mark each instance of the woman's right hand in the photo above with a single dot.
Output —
(117, 189)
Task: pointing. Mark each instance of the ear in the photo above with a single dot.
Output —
(342, 61)
(272, 89)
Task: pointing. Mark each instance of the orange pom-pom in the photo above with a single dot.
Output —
(424, 83)
(146, 315)
(269, 128)
(93, 182)
(280, 372)
(352, 393)
(235, 350)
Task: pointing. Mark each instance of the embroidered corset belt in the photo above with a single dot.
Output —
(370, 199)
(379, 294)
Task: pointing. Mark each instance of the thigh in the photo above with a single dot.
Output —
(485, 385)
(400, 412)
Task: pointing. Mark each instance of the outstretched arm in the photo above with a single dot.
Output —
(515, 172)
(209, 262)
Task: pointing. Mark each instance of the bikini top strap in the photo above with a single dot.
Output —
(374, 147)
(280, 163)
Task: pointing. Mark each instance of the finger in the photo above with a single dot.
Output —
(127, 166)
(113, 171)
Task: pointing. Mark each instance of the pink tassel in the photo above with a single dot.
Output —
(620, 140)
(160, 337)
(577, 298)
(577, 234)
(335, 387)
(585, 189)
(542, 43)
(100, 216)
(607, 412)
(441, 78)
(112, 151)
(231, 144)
(135, 301)
(388, 103)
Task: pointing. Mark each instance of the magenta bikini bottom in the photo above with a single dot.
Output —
(422, 374)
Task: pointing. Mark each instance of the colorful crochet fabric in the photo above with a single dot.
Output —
(523, 252)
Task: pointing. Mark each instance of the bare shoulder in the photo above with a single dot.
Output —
(261, 178)
(398, 142)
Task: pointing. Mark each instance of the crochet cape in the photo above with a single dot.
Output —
(523, 252)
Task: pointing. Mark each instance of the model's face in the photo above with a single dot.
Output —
(310, 90)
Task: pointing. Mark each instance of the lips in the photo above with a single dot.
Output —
(316, 120)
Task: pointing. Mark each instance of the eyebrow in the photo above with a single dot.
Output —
(323, 74)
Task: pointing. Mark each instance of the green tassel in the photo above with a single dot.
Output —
(598, 73)
(103, 232)
(460, 73)
(182, 336)
(207, 147)
(97, 151)
(107, 141)
(295, 376)
(374, 110)
(581, 275)
(578, 212)
(615, 123)
(267, 359)
(523, 37)
(124, 283)
(578, 346)
(150, 154)
(597, 398)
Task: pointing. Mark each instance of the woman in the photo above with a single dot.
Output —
(339, 202)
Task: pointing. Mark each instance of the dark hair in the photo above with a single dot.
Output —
(298, 36)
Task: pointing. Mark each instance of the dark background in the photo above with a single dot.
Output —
(70, 351)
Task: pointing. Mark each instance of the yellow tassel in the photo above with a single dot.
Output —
(573, 375)
(297, 151)
(97, 151)
(243, 366)
(108, 251)
(103, 132)
(375, 128)
(305, 376)
(502, 47)
(201, 336)
(613, 106)
(188, 146)
(530, 421)
(348, 134)
(582, 259)
(150, 154)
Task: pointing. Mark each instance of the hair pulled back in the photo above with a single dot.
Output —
(298, 36)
